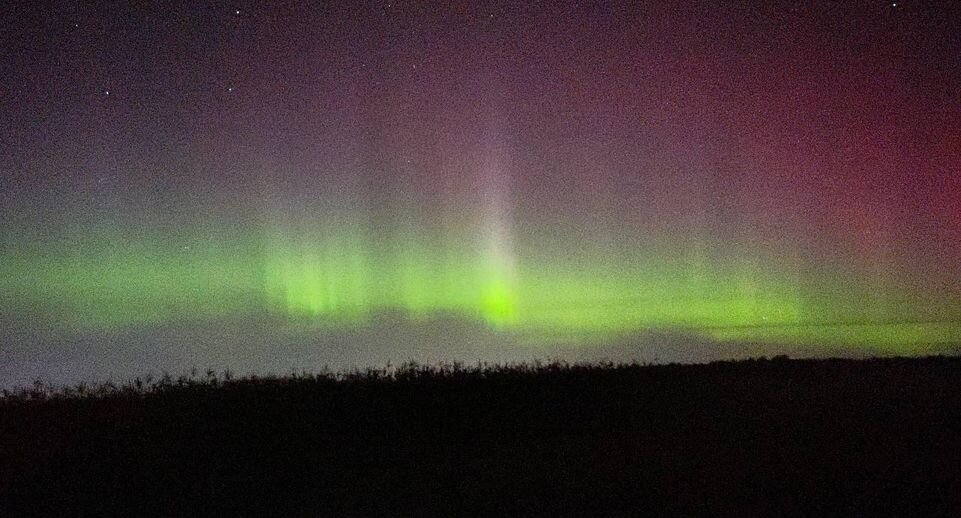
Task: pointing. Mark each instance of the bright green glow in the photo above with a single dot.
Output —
(497, 303)
(343, 277)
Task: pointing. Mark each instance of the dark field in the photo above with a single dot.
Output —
(759, 437)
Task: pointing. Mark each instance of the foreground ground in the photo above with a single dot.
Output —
(759, 437)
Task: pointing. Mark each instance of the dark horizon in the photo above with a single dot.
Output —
(778, 437)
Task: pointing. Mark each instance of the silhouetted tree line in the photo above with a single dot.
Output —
(764, 437)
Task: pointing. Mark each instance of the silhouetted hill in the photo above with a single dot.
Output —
(759, 437)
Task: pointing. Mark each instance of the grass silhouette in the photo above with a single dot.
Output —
(782, 437)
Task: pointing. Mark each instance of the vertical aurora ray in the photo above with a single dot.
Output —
(317, 260)
(320, 276)
(498, 299)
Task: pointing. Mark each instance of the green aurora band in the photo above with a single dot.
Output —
(345, 274)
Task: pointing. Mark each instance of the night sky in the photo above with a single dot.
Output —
(266, 186)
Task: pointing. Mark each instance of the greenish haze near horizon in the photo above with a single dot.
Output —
(342, 278)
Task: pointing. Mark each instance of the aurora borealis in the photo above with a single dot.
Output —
(549, 178)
